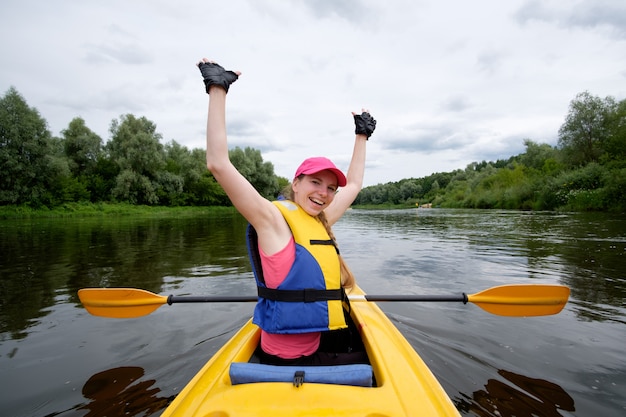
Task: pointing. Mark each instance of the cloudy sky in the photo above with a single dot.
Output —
(450, 82)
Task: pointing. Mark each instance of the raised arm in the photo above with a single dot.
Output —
(365, 125)
(254, 207)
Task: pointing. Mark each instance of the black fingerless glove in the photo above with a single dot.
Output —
(365, 124)
(214, 74)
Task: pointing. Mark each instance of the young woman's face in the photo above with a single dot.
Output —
(315, 192)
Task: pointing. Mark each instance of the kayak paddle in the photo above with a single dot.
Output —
(517, 300)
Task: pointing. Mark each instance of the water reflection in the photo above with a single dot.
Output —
(527, 397)
(44, 262)
(119, 392)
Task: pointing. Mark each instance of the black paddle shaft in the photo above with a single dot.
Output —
(409, 297)
(211, 299)
(253, 298)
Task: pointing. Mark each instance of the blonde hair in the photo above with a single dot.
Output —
(347, 277)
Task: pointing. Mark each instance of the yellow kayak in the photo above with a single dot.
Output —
(403, 385)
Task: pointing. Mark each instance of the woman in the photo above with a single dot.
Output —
(299, 271)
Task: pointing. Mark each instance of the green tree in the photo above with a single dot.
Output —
(136, 149)
(31, 165)
(207, 192)
(201, 186)
(82, 147)
(249, 163)
(408, 190)
(282, 182)
(615, 145)
(586, 128)
(539, 156)
(393, 193)
(172, 180)
(103, 180)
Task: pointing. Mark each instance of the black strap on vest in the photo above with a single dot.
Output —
(325, 242)
(309, 295)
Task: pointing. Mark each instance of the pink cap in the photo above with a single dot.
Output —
(319, 163)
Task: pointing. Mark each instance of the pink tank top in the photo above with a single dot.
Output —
(286, 346)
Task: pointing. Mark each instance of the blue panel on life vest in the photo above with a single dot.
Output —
(355, 375)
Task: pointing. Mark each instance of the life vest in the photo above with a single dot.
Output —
(310, 297)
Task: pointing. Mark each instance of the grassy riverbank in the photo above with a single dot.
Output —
(102, 210)
(387, 206)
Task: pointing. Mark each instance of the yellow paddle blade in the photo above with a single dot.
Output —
(121, 303)
(519, 300)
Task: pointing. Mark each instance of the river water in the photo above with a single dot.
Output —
(57, 360)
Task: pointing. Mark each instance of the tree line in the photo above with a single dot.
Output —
(133, 166)
(585, 171)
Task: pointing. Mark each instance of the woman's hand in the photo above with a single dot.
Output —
(364, 123)
(214, 74)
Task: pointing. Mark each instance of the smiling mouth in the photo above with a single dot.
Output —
(316, 201)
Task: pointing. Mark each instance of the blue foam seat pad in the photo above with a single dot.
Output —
(355, 375)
